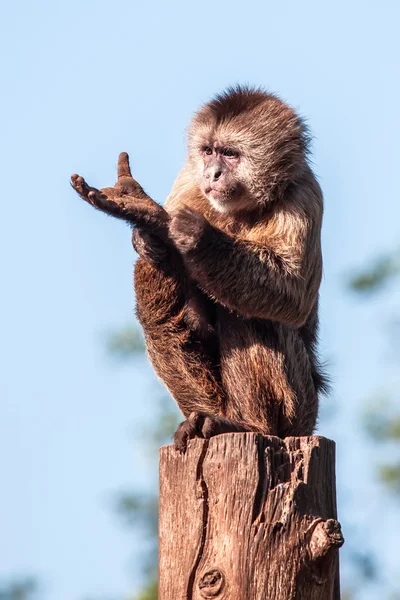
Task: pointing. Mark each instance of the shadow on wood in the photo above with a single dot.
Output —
(247, 517)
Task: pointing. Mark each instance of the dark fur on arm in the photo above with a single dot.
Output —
(271, 290)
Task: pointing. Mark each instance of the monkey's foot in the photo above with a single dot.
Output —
(203, 425)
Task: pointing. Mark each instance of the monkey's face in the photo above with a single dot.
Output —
(220, 182)
(245, 147)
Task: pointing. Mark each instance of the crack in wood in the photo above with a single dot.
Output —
(259, 496)
(204, 499)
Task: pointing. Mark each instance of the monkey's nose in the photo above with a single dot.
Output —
(217, 174)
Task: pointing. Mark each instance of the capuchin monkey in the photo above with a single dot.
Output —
(229, 270)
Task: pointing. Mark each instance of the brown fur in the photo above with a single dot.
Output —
(227, 291)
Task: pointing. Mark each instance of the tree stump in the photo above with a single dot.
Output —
(247, 517)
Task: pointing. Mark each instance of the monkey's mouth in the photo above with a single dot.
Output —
(221, 193)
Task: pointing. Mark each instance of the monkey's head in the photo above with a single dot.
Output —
(245, 147)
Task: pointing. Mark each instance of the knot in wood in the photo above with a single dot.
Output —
(334, 531)
(327, 536)
(211, 583)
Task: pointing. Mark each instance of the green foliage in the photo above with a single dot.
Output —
(390, 476)
(125, 342)
(150, 592)
(138, 510)
(382, 426)
(382, 420)
(19, 589)
(374, 277)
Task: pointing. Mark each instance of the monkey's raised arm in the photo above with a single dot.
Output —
(126, 200)
(276, 279)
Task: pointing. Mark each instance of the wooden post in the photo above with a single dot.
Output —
(247, 517)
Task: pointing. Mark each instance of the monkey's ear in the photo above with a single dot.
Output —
(124, 169)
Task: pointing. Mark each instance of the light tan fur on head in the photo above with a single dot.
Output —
(271, 141)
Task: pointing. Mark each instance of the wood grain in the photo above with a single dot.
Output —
(244, 516)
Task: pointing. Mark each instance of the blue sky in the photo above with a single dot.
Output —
(82, 81)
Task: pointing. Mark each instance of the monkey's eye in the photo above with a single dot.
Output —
(229, 153)
(208, 150)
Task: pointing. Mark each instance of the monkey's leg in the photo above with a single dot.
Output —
(266, 372)
(186, 363)
(185, 358)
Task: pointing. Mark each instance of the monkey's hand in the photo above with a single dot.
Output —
(204, 426)
(186, 228)
(149, 247)
(126, 200)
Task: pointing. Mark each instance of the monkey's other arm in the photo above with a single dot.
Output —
(277, 281)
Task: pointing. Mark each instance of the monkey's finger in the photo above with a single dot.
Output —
(124, 169)
(88, 193)
(81, 187)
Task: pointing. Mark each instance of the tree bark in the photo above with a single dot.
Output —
(247, 517)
